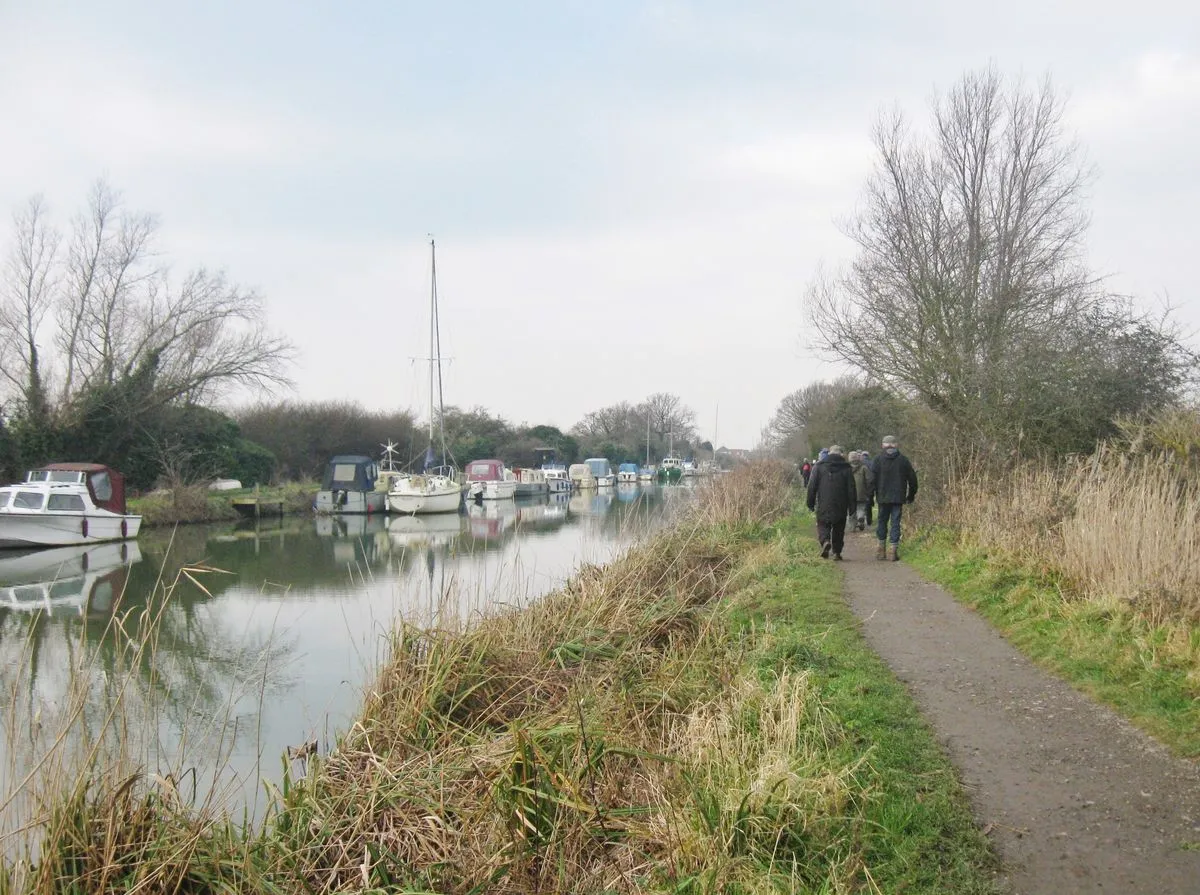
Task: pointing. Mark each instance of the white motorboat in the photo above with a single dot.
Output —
(647, 474)
(437, 489)
(71, 579)
(66, 503)
(348, 487)
(627, 474)
(558, 481)
(602, 471)
(490, 480)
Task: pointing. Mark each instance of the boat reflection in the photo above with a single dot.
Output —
(591, 503)
(77, 580)
(491, 521)
(427, 530)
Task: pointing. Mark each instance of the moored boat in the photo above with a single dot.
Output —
(348, 487)
(627, 473)
(437, 489)
(671, 469)
(647, 474)
(490, 480)
(602, 471)
(531, 483)
(558, 480)
(61, 504)
(581, 477)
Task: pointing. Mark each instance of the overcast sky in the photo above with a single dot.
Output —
(627, 197)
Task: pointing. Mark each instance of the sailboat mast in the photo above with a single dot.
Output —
(432, 330)
(647, 439)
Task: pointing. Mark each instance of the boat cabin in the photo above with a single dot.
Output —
(350, 472)
(599, 466)
(672, 463)
(105, 486)
(485, 471)
(628, 467)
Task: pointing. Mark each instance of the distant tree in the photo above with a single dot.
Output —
(969, 289)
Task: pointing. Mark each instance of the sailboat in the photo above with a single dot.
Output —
(436, 489)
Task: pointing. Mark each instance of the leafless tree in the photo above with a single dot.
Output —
(796, 411)
(28, 294)
(969, 251)
(615, 422)
(669, 415)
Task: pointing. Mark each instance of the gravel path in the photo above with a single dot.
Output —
(1074, 798)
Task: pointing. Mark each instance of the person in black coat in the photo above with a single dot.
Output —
(895, 485)
(831, 495)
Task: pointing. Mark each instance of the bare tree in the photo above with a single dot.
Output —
(797, 410)
(615, 422)
(668, 416)
(969, 252)
(30, 272)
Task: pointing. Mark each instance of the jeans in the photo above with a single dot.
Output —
(834, 532)
(892, 511)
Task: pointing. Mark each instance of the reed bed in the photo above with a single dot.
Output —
(607, 738)
(1095, 562)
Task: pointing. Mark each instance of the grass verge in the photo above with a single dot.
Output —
(1146, 671)
(699, 716)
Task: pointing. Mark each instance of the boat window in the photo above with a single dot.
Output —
(102, 486)
(343, 472)
(38, 475)
(28, 500)
(481, 469)
(72, 502)
(29, 593)
(70, 476)
(4, 498)
(64, 588)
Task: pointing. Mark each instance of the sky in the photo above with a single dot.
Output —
(627, 197)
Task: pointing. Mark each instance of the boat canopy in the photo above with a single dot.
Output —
(105, 486)
(485, 471)
(599, 466)
(350, 472)
(627, 467)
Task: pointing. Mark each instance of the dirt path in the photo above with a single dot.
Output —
(1075, 799)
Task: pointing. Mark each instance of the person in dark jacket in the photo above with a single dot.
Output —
(806, 470)
(895, 485)
(831, 495)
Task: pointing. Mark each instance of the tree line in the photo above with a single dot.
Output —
(968, 313)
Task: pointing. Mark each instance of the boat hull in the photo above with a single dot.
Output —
(349, 502)
(559, 486)
(531, 489)
(493, 490)
(403, 498)
(18, 530)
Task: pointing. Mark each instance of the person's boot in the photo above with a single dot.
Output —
(893, 552)
(881, 550)
(825, 548)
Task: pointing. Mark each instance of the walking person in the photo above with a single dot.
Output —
(831, 495)
(806, 471)
(863, 480)
(895, 485)
(866, 461)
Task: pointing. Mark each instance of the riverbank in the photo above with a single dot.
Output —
(196, 503)
(700, 715)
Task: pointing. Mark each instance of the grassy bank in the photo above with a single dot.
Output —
(699, 716)
(1092, 566)
(195, 503)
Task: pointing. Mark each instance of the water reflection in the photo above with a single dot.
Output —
(241, 640)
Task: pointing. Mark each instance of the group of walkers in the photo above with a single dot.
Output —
(844, 490)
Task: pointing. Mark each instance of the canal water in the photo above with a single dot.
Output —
(219, 646)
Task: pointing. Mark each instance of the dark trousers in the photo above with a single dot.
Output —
(834, 532)
(889, 513)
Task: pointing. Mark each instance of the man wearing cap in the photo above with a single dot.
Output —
(895, 485)
(831, 495)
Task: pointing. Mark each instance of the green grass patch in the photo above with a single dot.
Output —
(1146, 672)
(913, 828)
